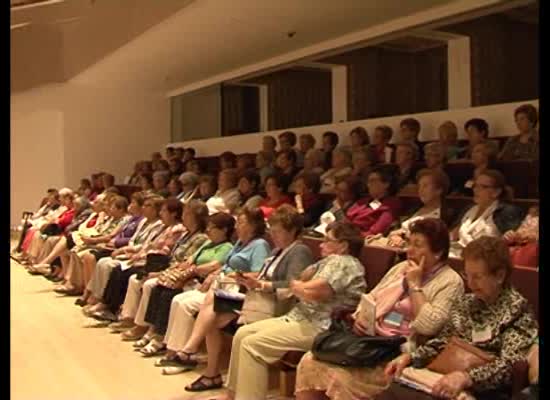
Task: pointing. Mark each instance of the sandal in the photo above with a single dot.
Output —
(130, 335)
(189, 360)
(176, 369)
(168, 361)
(144, 341)
(154, 348)
(64, 290)
(205, 383)
(121, 326)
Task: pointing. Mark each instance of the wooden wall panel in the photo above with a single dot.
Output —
(240, 109)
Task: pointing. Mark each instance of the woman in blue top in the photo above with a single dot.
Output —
(248, 255)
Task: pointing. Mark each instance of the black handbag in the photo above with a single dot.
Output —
(340, 346)
(52, 230)
(154, 263)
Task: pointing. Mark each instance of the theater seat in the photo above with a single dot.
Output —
(526, 281)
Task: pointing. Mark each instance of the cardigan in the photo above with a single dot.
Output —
(290, 266)
(374, 220)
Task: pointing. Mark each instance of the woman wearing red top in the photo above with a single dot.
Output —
(275, 195)
(375, 213)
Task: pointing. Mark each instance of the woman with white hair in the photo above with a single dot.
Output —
(227, 198)
(341, 166)
(190, 186)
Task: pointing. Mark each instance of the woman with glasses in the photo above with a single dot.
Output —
(338, 279)
(490, 216)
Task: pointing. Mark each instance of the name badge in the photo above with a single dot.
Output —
(483, 335)
(469, 184)
(393, 318)
(375, 204)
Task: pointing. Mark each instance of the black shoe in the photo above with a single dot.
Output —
(80, 302)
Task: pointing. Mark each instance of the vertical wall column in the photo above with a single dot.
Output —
(459, 73)
(339, 93)
(264, 108)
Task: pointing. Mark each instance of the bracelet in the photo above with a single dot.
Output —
(415, 289)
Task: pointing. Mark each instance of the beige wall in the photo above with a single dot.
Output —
(500, 118)
(61, 133)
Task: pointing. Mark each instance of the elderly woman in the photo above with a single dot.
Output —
(193, 166)
(286, 165)
(338, 279)
(448, 140)
(194, 219)
(375, 213)
(189, 186)
(308, 202)
(249, 185)
(432, 186)
(163, 244)
(494, 317)
(228, 160)
(264, 165)
(381, 141)
(363, 160)
(406, 154)
(160, 183)
(148, 229)
(248, 255)
(359, 138)
(313, 162)
(435, 156)
(288, 260)
(483, 158)
(175, 189)
(490, 216)
(227, 198)
(477, 131)
(418, 292)
(79, 272)
(306, 142)
(146, 183)
(341, 166)
(207, 187)
(175, 167)
(276, 197)
(524, 145)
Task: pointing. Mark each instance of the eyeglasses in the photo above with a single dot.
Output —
(330, 240)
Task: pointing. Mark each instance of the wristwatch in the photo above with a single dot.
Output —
(415, 289)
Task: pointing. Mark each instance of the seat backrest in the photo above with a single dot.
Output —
(526, 281)
(377, 261)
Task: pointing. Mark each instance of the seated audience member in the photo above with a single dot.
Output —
(308, 202)
(341, 166)
(169, 152)
(287, 141)
(409, 130)
(195, 217)
(494, 318)
(188, 155)
(362, 161)
(483, 159)
(175, 188)
(85, 188)
(156, 157)
(275, 195)
(147, 167)
(269, 144)
(432, 188)
(381, 143)
(194, 167)
(523, 242)
(306, 142)
(264, 165)
(425, 287)
(228, 160)
(81, 261)
(97, 182)
(162, 166)
(178, 153)
(162, 244)
(337, 280)
(175, 167)
(248, 186)
(286, 165)
(435, 156)
(477, 131)
(313, 162)
(348, 191)
(146, 184)
(133, 179)
(108, 181)
(490, 216)
(289, 258)
(330, 142)
(375, 213)
(247, 255)
(160, 183)
(448, 139)
(42, 244)
(189, 186)
(359, 138)
(227, 198)
(207, 187)
(244, 162)
(406, 154)
(524, 145)
(149, 228)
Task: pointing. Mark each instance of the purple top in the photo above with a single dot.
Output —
(127, 231)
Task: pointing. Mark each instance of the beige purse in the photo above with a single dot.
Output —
(258, 306)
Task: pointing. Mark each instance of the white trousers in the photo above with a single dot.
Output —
(100, 276)
(137, 299)
(183, 309)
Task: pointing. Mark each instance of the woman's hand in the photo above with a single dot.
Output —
(510, 236)
(248, 281)
(397, 365)
(208, 282)
(299, 203)
(359, 329)
(413, 273)
(396, 240)
(296, 288)
(450, 385)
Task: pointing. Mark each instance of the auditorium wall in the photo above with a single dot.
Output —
(62, 133)
(500, 118)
